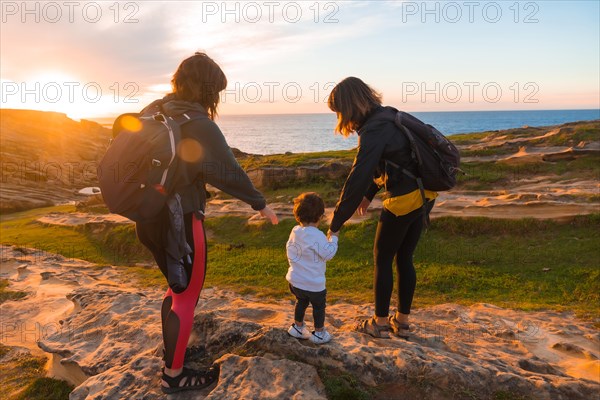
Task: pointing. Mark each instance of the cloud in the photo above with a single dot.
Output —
(148, 51)
(100, 51)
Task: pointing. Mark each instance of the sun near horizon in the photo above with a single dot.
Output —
(527, 56)
(57, 91)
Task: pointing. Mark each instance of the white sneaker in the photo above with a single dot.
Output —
(299, 332)
(320, 337)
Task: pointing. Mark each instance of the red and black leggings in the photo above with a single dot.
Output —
(177, 312)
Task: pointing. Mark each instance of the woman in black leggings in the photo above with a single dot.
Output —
(382, 148)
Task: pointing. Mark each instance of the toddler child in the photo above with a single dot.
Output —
(307, 251)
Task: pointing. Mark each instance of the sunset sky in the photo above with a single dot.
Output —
(93, 59)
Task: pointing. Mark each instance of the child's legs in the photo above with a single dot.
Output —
(302, 302)
(318, 301)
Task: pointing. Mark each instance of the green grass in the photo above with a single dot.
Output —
(573, 135)
(493, 175)
(46, 389)
(6, 295)
(340, 386)
(3, 350)
(458, 260)
(297, 159)
(504, 395)
(22, 378)
(491, 151)
(118, 246)
(329, 192)
(471, 138)
(570, 134)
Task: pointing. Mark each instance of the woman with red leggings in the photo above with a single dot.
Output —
(205, 158)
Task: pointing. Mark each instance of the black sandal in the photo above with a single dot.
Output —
(196, 380)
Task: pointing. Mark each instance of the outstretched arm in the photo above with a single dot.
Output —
(360, 178)
(220, 169)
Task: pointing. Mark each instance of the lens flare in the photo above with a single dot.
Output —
(131, 123)
(189, 150)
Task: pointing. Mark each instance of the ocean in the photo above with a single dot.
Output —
(299, 133)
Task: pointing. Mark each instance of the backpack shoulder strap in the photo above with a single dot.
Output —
(417, 157)
(410, 136)
(186, 117)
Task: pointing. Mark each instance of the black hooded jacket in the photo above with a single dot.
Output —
(205, 157)
(378, 140)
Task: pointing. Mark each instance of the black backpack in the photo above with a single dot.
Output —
(437, 159)
(138, 171)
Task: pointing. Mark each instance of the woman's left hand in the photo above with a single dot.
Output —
(362, 208)
(270, 215)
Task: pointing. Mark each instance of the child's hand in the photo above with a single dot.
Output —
(330, 234)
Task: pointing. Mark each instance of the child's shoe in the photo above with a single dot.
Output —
(320, 337)
(299, 332)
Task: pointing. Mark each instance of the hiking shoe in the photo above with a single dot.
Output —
(320, 337)
(299, 332)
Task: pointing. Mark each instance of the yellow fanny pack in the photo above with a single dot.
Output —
(402, 205)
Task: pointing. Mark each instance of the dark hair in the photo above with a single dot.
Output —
(308, 208)
(199, 79)
(352, 100)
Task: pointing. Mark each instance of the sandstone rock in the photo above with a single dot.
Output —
(261, 378)
(570, 154)
(138, 379)
(275, 177)
(109, 341)
(239, 154)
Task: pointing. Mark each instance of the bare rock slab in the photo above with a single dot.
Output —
(262, 378)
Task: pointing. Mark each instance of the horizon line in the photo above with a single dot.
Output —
(333, 114)
(314, 113)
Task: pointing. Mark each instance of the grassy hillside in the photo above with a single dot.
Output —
(46, 157)
(527, 264)
(524, 264)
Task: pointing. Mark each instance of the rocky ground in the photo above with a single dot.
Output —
(103, 335)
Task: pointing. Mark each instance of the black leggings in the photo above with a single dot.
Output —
(396, 237)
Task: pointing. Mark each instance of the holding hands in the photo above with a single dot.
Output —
(330, 234)
(363, 206)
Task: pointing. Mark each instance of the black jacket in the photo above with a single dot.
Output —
(209, 160)
(378, 140)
